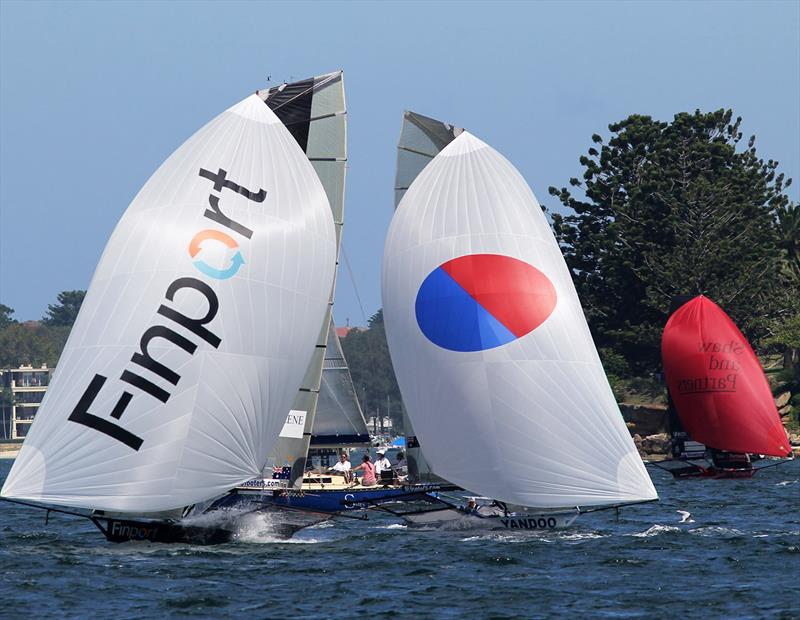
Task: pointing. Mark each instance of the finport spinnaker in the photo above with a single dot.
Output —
(175, 382)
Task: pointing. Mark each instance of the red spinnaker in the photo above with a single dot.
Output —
(717, 384)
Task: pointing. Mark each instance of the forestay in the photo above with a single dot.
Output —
(196, 330)
(492, 353)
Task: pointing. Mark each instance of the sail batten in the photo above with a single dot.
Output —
(493, 356)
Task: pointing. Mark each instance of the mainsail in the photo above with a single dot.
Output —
(339, 420)
(492, 352)
(315, 113)
(175, 382)
(421, 139)
(716, 382)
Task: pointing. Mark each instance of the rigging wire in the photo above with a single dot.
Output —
(353, 282)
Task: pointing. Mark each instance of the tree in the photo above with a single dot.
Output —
(788, 220)
(367, 354)
(673, 209)
(5, 316)
(31, 343)
(66, 310)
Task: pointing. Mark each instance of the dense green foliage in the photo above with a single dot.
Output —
(679, 208)
(38, 342)
(5, 316)
(64, 313)
(367, 354)
(31, 343)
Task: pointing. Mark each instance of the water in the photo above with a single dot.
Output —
(736, 554)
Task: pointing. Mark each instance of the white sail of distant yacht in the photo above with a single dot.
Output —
(421, 139)
(325, 412)
(196, 330)
(493, 356)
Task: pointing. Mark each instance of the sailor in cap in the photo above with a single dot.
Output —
(382, 463)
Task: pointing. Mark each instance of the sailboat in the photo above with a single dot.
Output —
(724, 405)
(325, 417)
(195, 333)
(493, 355)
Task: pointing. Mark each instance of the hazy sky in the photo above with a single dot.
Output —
(94, 96)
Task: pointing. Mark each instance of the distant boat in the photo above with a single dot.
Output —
(724, 405)
(195, 333)
(492, 353)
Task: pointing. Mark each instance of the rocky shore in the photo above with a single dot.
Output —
(649, 428)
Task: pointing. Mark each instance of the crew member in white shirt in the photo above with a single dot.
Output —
(343, 467)
(381, 464)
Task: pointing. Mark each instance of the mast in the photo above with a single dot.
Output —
(315, 113)
(421, 139)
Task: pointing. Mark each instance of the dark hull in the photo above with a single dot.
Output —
(127, 530)
(119, 530)
(704, 468)
(714, 473)
(326, 501)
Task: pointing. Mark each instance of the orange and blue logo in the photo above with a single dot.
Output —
(482, 301)
(220, 238)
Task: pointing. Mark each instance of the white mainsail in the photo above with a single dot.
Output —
(339, 420)
(524, 416)
(195, 332)
(315, 112)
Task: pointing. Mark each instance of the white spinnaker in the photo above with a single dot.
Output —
(224, 414)
(532, 422)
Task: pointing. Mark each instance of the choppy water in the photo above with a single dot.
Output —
(737, 554)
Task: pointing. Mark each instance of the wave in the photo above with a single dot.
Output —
(656, 530)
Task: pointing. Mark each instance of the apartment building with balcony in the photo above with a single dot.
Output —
(26, 386)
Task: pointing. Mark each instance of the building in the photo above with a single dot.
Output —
(26, 386)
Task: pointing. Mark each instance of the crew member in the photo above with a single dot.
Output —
(382, 464)
(400, 466)
(369, 471)
(343, 467)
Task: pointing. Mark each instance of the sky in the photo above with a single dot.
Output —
(95, 96)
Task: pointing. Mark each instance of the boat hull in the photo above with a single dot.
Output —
(320, 500)
(705, 468)
(213, 526)
(714, 473)
(456, 519)
(127, 530)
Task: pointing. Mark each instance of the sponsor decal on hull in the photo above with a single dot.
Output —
(529, 523)
(122, 530)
